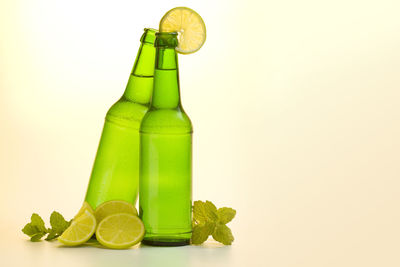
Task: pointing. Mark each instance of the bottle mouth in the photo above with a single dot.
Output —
(166, 39)
(149, 36)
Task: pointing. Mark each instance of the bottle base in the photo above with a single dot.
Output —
(165, 242)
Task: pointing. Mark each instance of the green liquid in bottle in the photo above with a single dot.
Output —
(165, 194)
(115, 174)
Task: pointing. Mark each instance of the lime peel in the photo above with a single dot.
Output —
(120, 231)
(190, 28)
(81, 230)
(112, 207)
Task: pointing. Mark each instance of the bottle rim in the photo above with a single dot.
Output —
(166, 39)
(149, 36)
(150, 29)
(166, 34)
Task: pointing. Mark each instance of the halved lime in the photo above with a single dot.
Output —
(85, 206)
(80, 230)
(119, 231)
(189, 26)
(114, 206)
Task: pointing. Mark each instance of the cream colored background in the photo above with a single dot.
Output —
(296, 112)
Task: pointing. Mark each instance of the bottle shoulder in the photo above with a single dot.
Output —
(168, 121)
(126, 112)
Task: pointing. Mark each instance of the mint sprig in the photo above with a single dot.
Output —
(36, 229)
(208, 220)
(58, 225)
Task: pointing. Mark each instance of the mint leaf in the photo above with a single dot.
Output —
(53, 234)
(201, 232)
(29, 229)
(57, 221)
(204, 211)
(223, 234)
(37, 237)
(212, 211)
(35, 229)
(208, 220)
(37, 221)
(225, 215)
(58, 225)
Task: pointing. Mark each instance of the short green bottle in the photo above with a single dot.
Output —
(165, 184)
(115, 174)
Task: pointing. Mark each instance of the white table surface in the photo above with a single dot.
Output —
(16, 250)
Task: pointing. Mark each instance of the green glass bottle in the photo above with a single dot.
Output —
(115, 174)
(165, 184)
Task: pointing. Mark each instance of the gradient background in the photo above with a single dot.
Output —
(296, 112)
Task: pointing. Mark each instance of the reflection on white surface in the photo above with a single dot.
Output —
(47, 253)
(208, 254)
(21, 252)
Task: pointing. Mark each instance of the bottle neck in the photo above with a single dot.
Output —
(140, 83)
(166, 93)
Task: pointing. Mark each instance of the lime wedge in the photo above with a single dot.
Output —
(119, 231)
(189, 26)
(85, 206)
(113, 206)
(80, 230)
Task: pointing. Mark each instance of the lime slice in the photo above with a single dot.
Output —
(189, 26)
(121, 230)
(112, 207)
(85, 206)
(81, 230)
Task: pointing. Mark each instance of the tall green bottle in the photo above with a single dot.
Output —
(115, 174)
(165, 184)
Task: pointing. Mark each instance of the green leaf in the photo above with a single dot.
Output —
(204, 211)
(36, 228)
(37, 237)
(58, 224)
(226, 215)
(29, 229)
(201, 232)
(52, 235)
(37, 221)
(223, 234)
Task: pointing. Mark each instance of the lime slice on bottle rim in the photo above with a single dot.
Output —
(189, 26)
